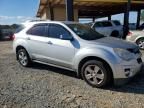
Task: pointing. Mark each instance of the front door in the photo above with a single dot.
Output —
(59, 51)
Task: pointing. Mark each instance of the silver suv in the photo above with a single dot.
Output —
(99, 60)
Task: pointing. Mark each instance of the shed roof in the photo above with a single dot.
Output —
(90, 8)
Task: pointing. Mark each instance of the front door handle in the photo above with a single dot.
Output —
(49, 42)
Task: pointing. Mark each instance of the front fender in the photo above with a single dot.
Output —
(106, 55)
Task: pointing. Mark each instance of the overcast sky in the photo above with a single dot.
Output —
(17, 11)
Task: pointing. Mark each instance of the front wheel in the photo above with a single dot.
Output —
(23, 57)
(95, 74)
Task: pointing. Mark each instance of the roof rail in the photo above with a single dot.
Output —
(35, 20)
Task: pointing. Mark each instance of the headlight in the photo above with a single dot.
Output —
(124, 54)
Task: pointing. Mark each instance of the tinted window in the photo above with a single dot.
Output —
(102, 24)
(106, 24)
(117, 23)
(21, 27)
(56, 30)
(85, 32)
(98, 24)
(38, 30)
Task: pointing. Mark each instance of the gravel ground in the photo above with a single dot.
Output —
(42, 86)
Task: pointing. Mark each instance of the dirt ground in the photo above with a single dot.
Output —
(42, 86)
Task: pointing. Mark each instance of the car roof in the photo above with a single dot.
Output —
(27, 23)
(107, 21)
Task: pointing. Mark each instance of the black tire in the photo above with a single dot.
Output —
(107, 77)
(140, 43)
(25, 58)
(115, 34)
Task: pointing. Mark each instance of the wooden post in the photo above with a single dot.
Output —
(126, 19)
(51, 12)
(138, 19)
(109, 17)
(69, 10)
(93, 19)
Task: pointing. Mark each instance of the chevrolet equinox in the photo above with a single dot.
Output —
(98, 59)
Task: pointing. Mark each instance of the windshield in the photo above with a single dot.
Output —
(85, 32)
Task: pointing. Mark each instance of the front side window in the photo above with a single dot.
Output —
(55, 31)
(38, 30)
(85, 32)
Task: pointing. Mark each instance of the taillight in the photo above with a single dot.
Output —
(13, 37)
(129, 33)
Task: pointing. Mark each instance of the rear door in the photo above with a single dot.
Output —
(104, 27)
(37, 41)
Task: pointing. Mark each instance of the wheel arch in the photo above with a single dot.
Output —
(139, 37)
(20, 47)
(81, 63)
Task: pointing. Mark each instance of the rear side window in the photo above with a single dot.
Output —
(38, 30)
(117, 23)
(98, 24)
(103, 24)
(56, 30)
(106, 24)
(20, 28)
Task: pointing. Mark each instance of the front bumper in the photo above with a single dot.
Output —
(126, 70)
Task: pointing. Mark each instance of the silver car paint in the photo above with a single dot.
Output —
(68, 54)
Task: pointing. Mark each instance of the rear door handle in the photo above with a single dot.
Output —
(49, 42)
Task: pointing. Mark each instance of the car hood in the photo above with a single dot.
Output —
(115, 43)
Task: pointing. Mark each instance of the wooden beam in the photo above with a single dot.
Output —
(138, 18)
(51, 11)
(56, 2)
(109, 17)
(126, 19)
(69, 10)
(110, 1)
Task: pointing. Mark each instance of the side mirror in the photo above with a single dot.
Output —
(66, 37)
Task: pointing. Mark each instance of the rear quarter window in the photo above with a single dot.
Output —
(20, 28)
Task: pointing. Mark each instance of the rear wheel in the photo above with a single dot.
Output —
(23, 57)
(95, 74)
(140, 43)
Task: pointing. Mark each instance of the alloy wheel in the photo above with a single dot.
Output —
(94, 74)
(22, 57)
